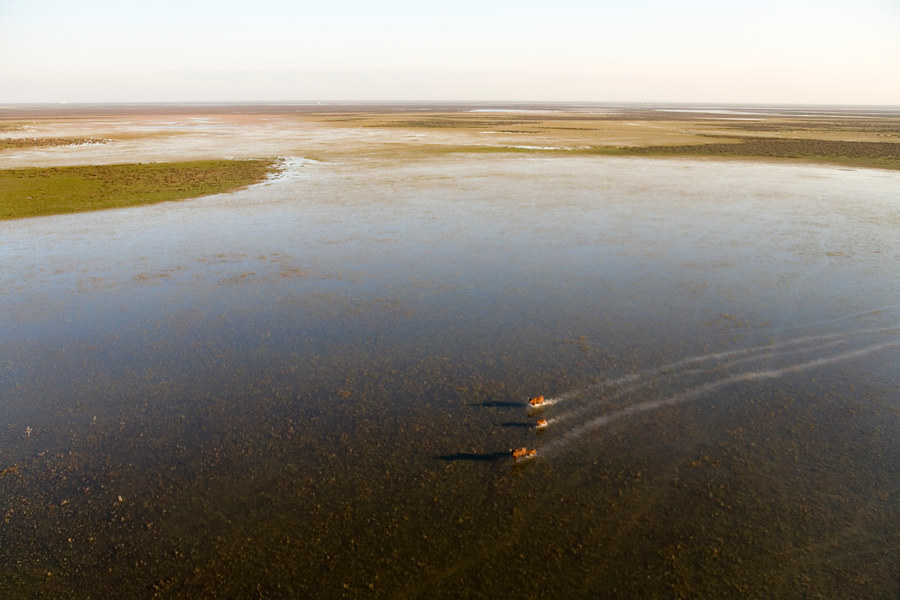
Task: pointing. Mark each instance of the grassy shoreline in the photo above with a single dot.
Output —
(43, 191)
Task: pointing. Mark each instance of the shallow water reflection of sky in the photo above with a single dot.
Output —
(289, 327)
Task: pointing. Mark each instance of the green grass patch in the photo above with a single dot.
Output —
(58, 190)
(882, 155)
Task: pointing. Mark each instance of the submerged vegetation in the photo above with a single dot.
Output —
(57, 190)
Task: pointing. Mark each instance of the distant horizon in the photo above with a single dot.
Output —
(773, 52)
(534, 103)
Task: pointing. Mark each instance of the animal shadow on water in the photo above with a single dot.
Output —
(520, 424)
(487, 456)
(500, 404)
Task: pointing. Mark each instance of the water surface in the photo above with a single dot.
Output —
(310, 387)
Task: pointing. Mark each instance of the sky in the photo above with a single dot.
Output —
(692, 51)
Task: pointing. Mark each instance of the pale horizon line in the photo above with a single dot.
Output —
(363, 101)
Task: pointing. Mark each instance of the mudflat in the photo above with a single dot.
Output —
(90, 136)
(862, 137)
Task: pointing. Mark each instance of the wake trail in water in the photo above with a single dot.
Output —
(622, 390)
(702, 390)
(755, 351)
(765, 356)
(863, 313)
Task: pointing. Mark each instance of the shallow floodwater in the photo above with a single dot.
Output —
(309, 388)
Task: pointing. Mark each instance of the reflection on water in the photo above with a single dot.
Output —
(311, 387)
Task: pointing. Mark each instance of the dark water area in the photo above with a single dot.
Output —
(310, 388)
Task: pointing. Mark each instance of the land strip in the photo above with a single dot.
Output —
(885, 155)
(52, 136)
(857, 138)
(57, 190)
(46, 142)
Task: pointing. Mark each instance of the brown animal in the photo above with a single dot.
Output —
(523, 453)
(541, 423)
(536, 401)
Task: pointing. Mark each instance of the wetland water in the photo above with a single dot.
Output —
(309, 388)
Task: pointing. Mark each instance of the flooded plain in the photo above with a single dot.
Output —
(310, 387)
